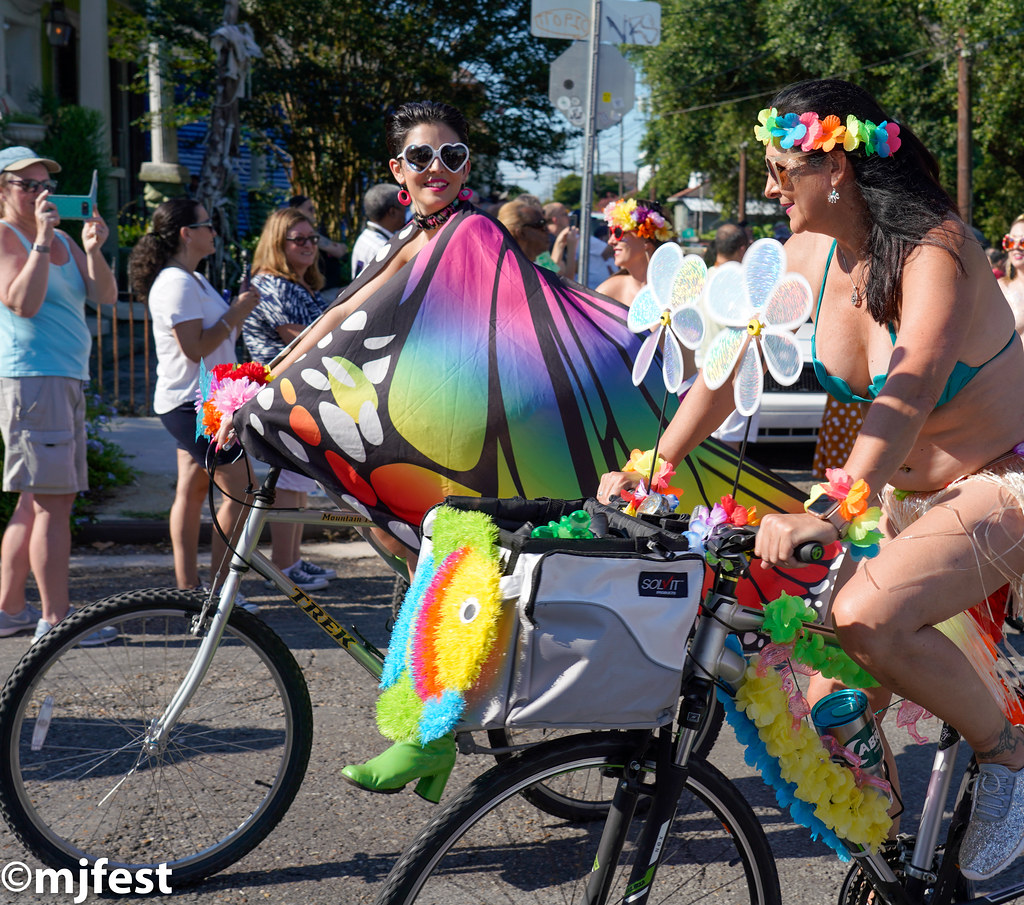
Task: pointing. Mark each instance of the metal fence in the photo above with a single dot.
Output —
(123, 363)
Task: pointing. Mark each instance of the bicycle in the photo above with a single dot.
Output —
(677, 830)
(186, 740)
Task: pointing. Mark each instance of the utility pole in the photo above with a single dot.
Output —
(589, 140)
(622, 147)
(964, 189)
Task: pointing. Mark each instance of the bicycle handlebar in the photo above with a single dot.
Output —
(730, 542)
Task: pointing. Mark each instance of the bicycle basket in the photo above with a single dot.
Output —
(591, 633)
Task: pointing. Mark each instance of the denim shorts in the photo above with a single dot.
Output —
(181, 424)
(42, 420)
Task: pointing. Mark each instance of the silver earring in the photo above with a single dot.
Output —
(833, 196)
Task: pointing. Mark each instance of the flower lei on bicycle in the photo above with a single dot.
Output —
(223, 389)
(658, 472)
(768, 713)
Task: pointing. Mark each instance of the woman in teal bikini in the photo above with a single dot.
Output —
(911, 320)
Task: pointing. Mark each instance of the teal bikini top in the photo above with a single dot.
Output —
(840, 389)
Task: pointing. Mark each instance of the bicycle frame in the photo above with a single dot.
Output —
(712, 662)
(244, 557)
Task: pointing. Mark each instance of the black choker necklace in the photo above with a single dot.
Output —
(433, 221)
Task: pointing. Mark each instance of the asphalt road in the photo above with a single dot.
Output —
(337, 844)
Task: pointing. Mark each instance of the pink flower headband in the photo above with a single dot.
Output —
(808, 133)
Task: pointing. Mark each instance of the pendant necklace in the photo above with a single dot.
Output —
(855, 298)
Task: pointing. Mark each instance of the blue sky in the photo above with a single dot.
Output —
(607, 156)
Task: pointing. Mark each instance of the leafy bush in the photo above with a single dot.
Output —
(108, 466)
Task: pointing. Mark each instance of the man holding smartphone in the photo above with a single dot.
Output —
(45, 279)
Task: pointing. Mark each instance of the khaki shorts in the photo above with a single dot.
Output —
(42, 420)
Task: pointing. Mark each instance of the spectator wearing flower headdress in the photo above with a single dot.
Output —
(635, 230)
(1012, 281)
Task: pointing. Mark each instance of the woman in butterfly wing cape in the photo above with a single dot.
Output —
(453, 366)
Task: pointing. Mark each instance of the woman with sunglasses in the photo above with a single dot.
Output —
(45, 279)
(286, 275)
(191, 322)
(635, 230)
(451, 365)
(1012, 283)
(528, 226)
(909, 320)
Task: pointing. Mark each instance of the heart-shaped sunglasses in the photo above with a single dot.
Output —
(453, 157)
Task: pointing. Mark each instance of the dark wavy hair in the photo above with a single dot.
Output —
(152, 252)
(904, 197)
(408, 116)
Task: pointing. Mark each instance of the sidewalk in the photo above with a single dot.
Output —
(138, 514)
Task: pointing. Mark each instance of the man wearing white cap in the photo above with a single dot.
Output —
(45, 279)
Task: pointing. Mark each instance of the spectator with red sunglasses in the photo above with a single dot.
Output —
(635, 230)
(1012, 283)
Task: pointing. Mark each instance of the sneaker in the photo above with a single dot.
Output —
(246, 605)
(101, 636)
(299, 577)
(995, 835)
(239, 598)
(25, 620)
(311, 568)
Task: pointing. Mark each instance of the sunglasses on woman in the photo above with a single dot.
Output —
(34, 185)
(782, 170)
(304, 240)
(1010, 243)
(453, 157)
(616, 233)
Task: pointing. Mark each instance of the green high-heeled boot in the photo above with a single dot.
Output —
(403, 762)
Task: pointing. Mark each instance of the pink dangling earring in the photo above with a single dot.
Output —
(833, 196)
(404, 197)
(465, 194)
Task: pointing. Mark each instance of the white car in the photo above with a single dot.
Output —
(793, 414)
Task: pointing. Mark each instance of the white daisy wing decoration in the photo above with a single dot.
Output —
(668, 306)
(760, 305)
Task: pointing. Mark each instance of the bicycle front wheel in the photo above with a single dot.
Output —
(491, 845)
(77, 780)
(557, 802)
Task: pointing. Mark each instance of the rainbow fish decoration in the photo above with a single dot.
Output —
(445, 630)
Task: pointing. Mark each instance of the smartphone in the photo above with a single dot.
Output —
(76, 207)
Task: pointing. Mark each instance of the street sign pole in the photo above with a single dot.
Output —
(590, 132)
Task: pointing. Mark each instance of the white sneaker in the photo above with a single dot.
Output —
(23, 622)
(239, 598)
(316, 571)
(246, 605)
(995, 835)
(101, 636)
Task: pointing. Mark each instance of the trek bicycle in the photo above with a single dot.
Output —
(676, 830)
(185, 740)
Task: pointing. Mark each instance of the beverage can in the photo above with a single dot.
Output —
(845, 716)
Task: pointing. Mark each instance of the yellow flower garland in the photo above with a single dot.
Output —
(855, 814)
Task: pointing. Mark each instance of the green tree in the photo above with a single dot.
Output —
(720, 62)
(567, 190)
(331, 72)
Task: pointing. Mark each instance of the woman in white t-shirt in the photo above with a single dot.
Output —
(191, 321)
